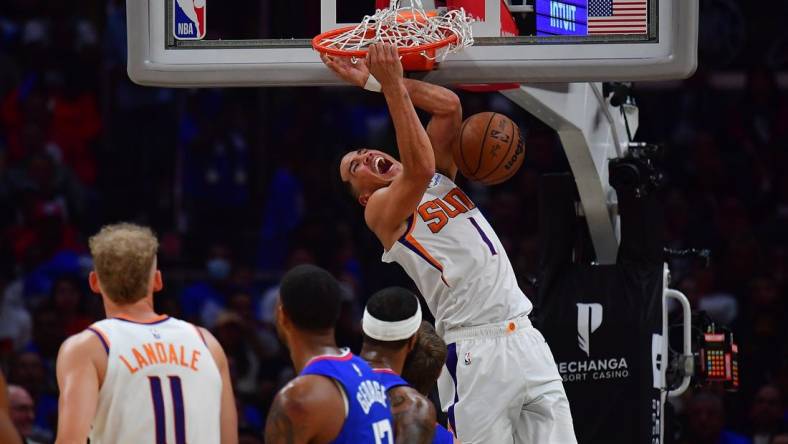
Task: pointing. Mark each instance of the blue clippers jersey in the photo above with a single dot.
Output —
(389, 379)
(368, 418)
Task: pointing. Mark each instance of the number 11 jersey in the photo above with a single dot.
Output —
(457, 261)
(161, 385)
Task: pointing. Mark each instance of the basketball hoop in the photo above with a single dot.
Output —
(423, 38)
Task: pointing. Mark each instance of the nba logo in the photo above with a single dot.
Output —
(189, 17)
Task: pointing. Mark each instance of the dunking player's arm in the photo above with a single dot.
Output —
(8, 433)
(421, 152)
(309, 409)
(81, 366)
(444, 126)
(387, 208)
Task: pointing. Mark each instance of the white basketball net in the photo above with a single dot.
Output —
(407, 27)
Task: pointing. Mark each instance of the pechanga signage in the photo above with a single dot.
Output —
(595, 369)
(565, 17)
(589, 319)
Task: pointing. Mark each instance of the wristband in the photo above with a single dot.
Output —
(372, 84)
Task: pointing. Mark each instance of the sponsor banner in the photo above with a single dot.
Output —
(605, 334)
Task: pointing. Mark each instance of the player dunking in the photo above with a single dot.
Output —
(391, 324)
(137, 376)
(336, 397)
(501, 382)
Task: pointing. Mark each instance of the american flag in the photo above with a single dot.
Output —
(617, 16)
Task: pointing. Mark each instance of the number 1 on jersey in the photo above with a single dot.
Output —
(483, 235)
(177, 407)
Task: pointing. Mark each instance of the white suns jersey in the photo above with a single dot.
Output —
(457, 261)
(161, 386)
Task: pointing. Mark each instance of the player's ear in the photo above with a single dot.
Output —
(281, 316)
(158, 283)
(93, 282)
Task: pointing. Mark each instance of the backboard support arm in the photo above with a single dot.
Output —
(592, 132)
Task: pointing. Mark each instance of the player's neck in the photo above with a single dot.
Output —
(305, 346)
(377, 358)
(141, 310)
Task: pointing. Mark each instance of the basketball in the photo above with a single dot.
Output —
(490, 148)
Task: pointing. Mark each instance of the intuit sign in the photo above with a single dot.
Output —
(565, 17)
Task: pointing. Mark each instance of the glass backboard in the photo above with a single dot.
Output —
(268, 42)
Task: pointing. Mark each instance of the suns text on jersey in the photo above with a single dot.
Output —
(160, 353)
(437, 212)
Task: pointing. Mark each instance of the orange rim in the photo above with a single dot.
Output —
(361, 53)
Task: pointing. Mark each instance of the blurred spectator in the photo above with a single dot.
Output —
(760, 329)
(270, 296)
(760, 118)
(69, 302)
(23, 412)
(240, 343)
(203, 300)
(216, 163)
(15, 322)
(282, 213)
(48, 334)
(28, 371)
(246, 354)
(76, 122)
(706, 421)
(767, 415)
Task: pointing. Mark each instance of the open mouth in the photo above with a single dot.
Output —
(383, 165)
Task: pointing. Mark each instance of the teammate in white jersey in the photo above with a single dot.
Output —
(506, 387)
(137, 376)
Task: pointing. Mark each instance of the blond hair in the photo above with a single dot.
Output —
(123, 257)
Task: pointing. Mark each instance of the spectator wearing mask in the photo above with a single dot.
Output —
(204, 300)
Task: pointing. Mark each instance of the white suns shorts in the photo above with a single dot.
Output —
(501, 385)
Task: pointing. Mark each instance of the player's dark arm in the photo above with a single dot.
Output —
(414, 416)
(444, 126)
(388, 208)
(8, 433)
(308, 409)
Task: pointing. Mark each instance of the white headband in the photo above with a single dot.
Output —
(391, 330)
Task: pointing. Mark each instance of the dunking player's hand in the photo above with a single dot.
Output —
(383, 63)
(354, 73)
